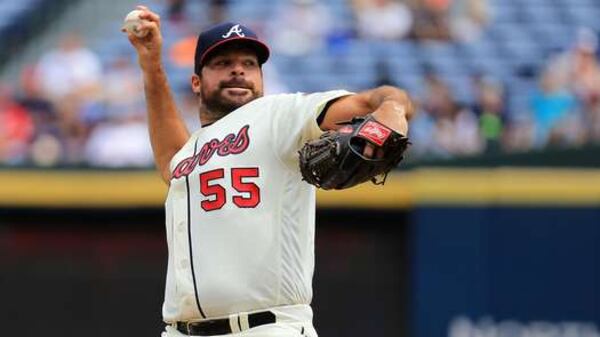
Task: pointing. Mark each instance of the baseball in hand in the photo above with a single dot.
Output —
(132, 23)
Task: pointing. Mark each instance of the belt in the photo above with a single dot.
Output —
(213, 327)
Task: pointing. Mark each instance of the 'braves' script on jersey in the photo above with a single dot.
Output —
(231, 144)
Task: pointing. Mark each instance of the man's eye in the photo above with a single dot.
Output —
(250, 63)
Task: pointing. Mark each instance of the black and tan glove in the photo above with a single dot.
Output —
(336, 160)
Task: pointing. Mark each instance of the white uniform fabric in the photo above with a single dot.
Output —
(240, 220)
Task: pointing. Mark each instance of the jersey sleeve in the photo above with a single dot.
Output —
(294, 121)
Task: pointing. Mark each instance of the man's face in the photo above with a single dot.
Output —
(229, 80)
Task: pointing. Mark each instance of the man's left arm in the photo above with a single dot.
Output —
(389, 105)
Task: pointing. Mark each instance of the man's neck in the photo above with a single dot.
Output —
(206, 122)
(207, 117)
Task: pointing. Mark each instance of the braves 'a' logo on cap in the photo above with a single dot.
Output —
(234, 30)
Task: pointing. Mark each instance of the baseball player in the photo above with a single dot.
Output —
(240, 220)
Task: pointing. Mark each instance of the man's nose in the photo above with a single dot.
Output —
(237, 69)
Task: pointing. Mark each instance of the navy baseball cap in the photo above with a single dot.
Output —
(223, 34)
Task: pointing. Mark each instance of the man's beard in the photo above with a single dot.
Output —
(216, 105)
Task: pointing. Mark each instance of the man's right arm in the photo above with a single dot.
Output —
(167, 130)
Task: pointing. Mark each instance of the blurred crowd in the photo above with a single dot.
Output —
(563, 111)
(72, 107)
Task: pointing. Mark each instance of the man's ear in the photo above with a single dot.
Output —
(196, 84)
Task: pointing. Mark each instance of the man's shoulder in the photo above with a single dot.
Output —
(278, 97)
(299, 96)
(284, 102)
(271, 102)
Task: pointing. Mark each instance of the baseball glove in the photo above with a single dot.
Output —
(336, 159)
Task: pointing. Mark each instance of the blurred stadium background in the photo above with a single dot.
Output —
(491, 228)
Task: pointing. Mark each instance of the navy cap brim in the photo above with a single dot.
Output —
(261, 49)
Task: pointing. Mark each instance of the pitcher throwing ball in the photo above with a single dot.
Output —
(240, 211)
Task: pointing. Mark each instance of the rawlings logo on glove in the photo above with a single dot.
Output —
(375, 132)
(336, 159)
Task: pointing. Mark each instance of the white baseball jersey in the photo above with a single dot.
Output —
(240, 220)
